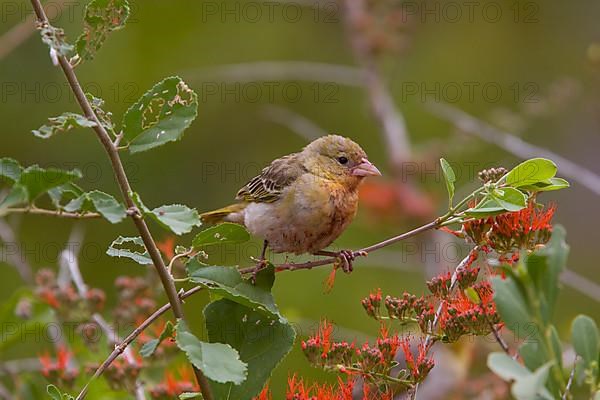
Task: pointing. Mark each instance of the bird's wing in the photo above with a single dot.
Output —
(268, 186)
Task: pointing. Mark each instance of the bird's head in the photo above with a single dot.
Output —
(338, 158)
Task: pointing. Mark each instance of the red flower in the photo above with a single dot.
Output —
(371, 304)
(298, 390)
(509, 232)
(172, 386)
(167, 246)
(421, 367)
(265, 393)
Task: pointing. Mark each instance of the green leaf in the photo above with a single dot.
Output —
(10, 169)
(225, 233)
(178, 218)
(104, 117)
(103, 203)
(160, 115)
(55, 39)
(547, 185)
(531, 386)
(66, 192)
(449, 176)
(100, 18)
(511, 303)
(505, 367)
(472, 294)
(190, 395)
(150, 347)
(531, 172)
(532, 353)
(63, 123)
(556, 253)
(228, 282)
(38, 180)
(510, 199)
(17, 195)
(35, 181)
(486, 208)
(56, 394)
(554, 340)
(545, 266)
(137, 256)
(585, 338)
(527, 385)
(261, 343)
(219, 362)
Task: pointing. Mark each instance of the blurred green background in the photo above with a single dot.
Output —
(542, 55)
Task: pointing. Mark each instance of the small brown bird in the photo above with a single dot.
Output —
(303, 201)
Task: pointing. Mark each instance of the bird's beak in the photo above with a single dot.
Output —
(365, 168)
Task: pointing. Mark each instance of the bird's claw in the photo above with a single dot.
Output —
(260, 265)
(346, 258)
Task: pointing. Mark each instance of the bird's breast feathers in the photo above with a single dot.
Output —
(310, 214)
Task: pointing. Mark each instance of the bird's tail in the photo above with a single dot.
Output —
(222, 214)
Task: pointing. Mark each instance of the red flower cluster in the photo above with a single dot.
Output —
(173, 386)
(299, 390)
(65, 300)
(120, 374)
(420, 367)
(136, 300)
(371, 304)
(59, 371)
(462, 316)
(373, 362)
(509, 232)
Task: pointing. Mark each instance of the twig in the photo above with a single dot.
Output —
(120, 348)
(499, 339)
(391, 120)
(126, 191)
(357, 253)
(581, 284)
(4, 393)
(7, 236)
(19, 33)
(284, 70)
(54, 213)
(295, 122)
(428, 339)
(514, 144)
(565, 395)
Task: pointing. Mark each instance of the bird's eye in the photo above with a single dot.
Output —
(343, 160)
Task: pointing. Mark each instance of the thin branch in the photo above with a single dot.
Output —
(284, 70)
(393, 124)
(565, 395)
(19, 33)
(54, 213)
(514, 144)
(7, 236)
(126, 190)
(4, 393)
(120, 348)
(357, 253)
(499, 339)
(297, 123)
(428, 339)
(580, 284)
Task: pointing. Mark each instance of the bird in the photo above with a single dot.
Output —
(303, 201)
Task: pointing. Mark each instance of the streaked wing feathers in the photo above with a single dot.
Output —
(268, 186)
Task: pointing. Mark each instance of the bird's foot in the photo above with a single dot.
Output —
(260, 265)
(345, 258)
